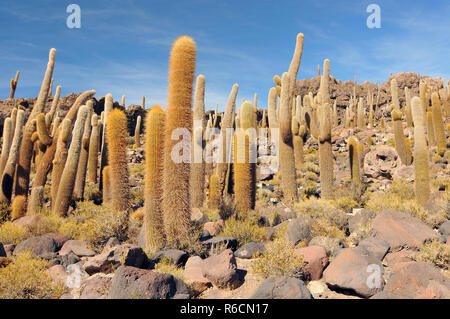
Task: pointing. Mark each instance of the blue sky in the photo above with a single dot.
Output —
(123, 46)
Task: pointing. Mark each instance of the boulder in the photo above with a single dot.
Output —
(444, 229)
(250, 250)
(40, 246)
(418, 280)
(331, 245)
(193, 276)
(214, 228)
(377, 246)
(299, 229)
(356, 271)
(78, 247)
(400, 257)
(58, 273)
(175, 256)
(221, 270)
(95, 287)
(316, 260)
(401, 229)
(130, 282)
(59, 239)
(381, 161)
(30, 221)
(282, 288)
(220, 242)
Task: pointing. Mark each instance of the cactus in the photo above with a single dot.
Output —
(106, 185)
(214, 193)
(408, 114)
(324, 83)
(298, 131)
(223, 152)
(354, 157)
(286, 149)
(14, 85)
(42, 129)
(116, 134)
(438, 124)
(104, 147)
(399, 135)
(421, 165)
(10, 166)
(137, 133)
(197, 179)
(93, 150)
(80, 180)
(430, 127)
(67, 182)
(394, 93)
(50, 89)
(54, 103)
(143, 102)
(36, 201)
(18, 207)
(60, 158)
(360, 115)
(176, 196)
(26, 147)
(154, 145)
(7, 139)
(325, 152)
(408, 151)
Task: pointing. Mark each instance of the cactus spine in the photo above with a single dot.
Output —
(421, 170)
(10, 166)
(438, 124)
(154, 147)
(197, 180)
(176, 197)
(116, 134)
(67, 182)
(93, 150)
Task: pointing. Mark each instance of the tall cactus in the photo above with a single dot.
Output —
(106, 193)
(214, 193)
(55, 102)
(353, 152)
(80, 180)
(14, 85)
(430, 127)
(116, 134)
(399, 136)
(104, 146)
(298, 131)
(197, 180)
(421, 166)
(93, 150)
(7, 139)
(67, 182)
(154, 147)
(10, 167)
(176, 197)
(326, 164)
(438, 124)
(137, 132)
(26, 147)
(408, 114)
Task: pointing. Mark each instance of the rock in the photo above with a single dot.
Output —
(381, 161)
(214, 228)
(197, 216)
(220, 242)
(110, 259)
(377, 246)
(385, 295)
(418, 280)
(444, 229)
(331, 245)
(316, 288)
(2, 251)
(401, 229)
(350, 271)
(282, 288)
(399, 257)
(95, 287)
(221, 270)
(249, 250)
(193, 276)
(39, 246)
(175, 256)
(59, 239)
(316, 259)
(130, 282)
(9, 249)
(299, 229)
(58, 273)
(78, 247)
(69, 259)
(404, 172)
(112, 242)
(30, 221)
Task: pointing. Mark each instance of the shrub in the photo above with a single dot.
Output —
(322, 208)
(25, 278)
(165, 266)
(5, 212)
(11, 233)
(279, 260)
(244, 230)
(435, 252)
(323, 227)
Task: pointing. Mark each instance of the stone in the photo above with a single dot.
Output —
(78, 247)
(214, 228)
(131, 282)
(444, 229)
(418, 280)
(59, 239)
(401, 230)
(350, 271)
(316, 260)
(95, 287)
(220, 242)
(58, 273)
(39, 246)
(175, 256)
(112, 242)
(400, 257)
(193, 276)
(377, 246)
(250, 250)
(29, 221)
(331, 245)
(282, 288)
(381, 161)
(404, 172)
(197, 216)
(299, 229)
(221, 270)
(9, 249)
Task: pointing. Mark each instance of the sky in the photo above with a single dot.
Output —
(123, 46)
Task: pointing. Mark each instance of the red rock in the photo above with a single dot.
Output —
(221, 270)
(193, 276)
(214, 227)
(58, 273)
(316, 259)
(32, 221)
(399, 257)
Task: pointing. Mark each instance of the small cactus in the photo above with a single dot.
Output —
(137, 132)
(438, 124)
